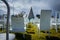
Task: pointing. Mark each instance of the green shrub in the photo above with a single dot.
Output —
(43, 36)
(53, 31)
(19, 36)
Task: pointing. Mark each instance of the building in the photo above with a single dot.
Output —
(3, 20)
(55, 20)
(17, 22)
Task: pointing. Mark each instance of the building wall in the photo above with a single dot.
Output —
(54, 22)
(45, 19)
(1, 21)
(17, 24)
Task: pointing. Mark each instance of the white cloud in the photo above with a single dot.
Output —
(24, 5)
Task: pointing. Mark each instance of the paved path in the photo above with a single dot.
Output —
(3, 36)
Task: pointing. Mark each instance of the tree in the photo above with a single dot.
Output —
(38, 16)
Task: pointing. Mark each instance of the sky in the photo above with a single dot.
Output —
(25, 5)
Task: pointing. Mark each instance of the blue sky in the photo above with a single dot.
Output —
(25, 5)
